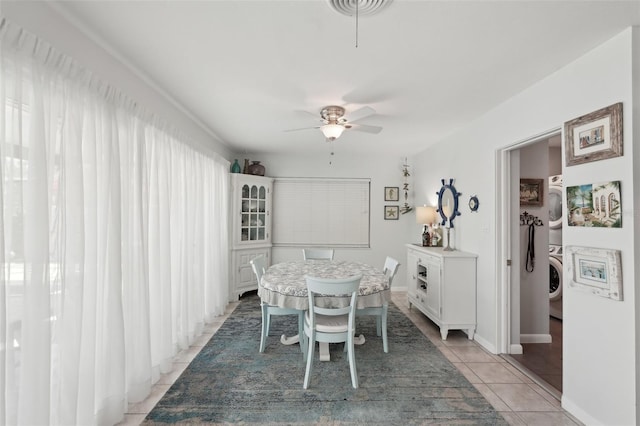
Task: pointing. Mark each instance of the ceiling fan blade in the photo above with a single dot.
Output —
(308, 113)
(360, 113)
(364, 128)
(302, 128)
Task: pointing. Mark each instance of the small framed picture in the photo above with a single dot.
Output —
(595, 136)
(531, 191)
(597, 271)
(391, 193)
(391, 212)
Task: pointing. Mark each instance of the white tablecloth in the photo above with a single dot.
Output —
(284, 284)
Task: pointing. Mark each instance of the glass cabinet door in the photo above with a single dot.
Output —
(253, 213)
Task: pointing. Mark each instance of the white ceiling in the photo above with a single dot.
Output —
(246, 69)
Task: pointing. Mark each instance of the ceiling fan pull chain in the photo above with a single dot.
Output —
(331, 153)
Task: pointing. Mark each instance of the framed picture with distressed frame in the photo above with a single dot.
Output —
(531, 191)
(598, 271)
(391, 212)
(595, 136)
(391, 193)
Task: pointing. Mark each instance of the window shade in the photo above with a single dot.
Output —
(321, 212)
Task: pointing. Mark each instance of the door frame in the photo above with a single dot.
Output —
(505, 240)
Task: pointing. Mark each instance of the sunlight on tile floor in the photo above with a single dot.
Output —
(519, 399)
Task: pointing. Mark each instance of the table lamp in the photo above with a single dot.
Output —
(425, 215)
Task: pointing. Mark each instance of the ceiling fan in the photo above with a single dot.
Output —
(335, 122)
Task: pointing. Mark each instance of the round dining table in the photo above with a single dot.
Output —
(284, 285)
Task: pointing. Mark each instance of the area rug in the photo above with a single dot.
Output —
(229, 381)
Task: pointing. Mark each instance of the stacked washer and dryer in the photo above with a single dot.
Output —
(555, 246)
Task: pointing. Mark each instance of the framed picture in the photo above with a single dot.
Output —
(391, 193)
(595, 136)
(595, 205)
(531, 191)
(391, 212)
(598, 271)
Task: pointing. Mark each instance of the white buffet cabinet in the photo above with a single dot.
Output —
(442, 284)
(250, 229)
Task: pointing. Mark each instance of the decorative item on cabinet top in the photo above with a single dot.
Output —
(256, 169)
(235, 167)
(426, 215)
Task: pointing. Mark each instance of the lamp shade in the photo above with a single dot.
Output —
(425, 215)
(332, 131)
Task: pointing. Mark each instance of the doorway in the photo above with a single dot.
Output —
(533, 329)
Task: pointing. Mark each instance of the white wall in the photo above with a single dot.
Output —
(635, 154)
(599, 357)
(45, 22)
(555, 161)
(387, 236)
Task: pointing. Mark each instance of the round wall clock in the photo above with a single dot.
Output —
(474, 203)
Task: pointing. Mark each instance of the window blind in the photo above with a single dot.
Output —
(324, 212)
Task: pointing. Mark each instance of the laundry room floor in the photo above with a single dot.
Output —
(545, 359)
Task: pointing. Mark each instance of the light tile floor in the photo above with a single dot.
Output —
(518, 398)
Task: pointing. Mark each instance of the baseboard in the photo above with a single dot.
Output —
(578, 412)
(535, 338)
(398, 289)
(515, 349)
(485, 343)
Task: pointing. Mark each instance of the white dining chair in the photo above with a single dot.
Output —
(380, 312)
(317, 254)
(258, 266)
(330, 325)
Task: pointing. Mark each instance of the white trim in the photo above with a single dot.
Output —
(577, 412)
(485, 344)
(535, 338)
(515, 349)
(503, 290)
(95, 38)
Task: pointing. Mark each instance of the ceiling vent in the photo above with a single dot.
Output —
(364, 7)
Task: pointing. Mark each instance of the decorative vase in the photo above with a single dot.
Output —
(256, 168)
(235, 168)
(246, 166)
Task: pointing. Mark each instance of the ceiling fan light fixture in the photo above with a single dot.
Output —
(332, 131)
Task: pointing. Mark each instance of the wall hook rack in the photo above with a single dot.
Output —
(528, 219)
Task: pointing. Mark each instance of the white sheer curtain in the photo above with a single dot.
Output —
(113, 241)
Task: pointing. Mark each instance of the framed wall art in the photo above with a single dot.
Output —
(531, 191)
(598, 271)
(391, 193)
(595, 136)
(391, 212)
(596, 205)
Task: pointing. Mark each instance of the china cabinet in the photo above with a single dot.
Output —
(250, 229)
(442, 284)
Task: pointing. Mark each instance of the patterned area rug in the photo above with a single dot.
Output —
(229, 381)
